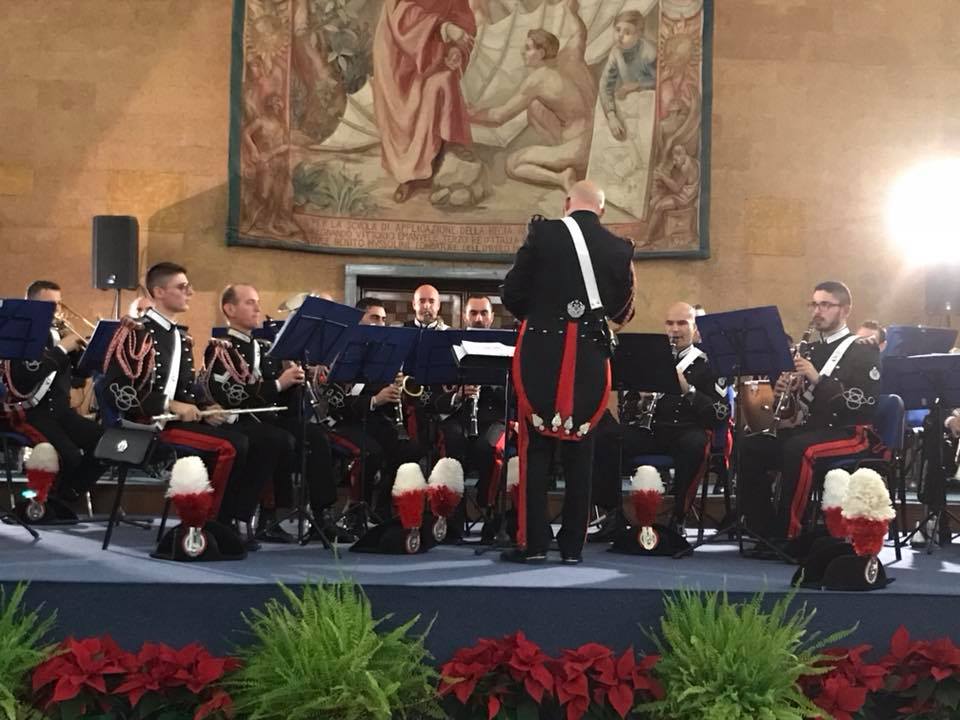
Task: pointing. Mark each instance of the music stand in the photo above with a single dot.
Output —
(24, 331)
(643, 362)
(309, 336)
(369, 354)
(91, 362)
(485, 357)
(908, 340)
(740, 343)
(929, 382)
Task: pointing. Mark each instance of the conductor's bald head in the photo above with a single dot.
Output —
(584, 195)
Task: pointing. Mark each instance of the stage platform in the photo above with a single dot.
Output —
(609, 598)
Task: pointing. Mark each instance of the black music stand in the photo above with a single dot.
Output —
(643, 362)
(369, 354)
(91, 362)
(927, 382)
(480, 357)
(740, 343)
(309, 336)
(24, 331)
(907, 340)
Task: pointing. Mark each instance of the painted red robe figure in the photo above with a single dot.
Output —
(561, 366)
(420, 51)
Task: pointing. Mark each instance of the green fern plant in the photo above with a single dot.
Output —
(22, 633)
(735, 661)
(321, 655)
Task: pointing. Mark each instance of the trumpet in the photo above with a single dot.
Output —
(407, 386)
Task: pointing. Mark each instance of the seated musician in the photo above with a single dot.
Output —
(149, 371)
(473, 433)
(240, 375)
(870, 331)
(677, 425)
(367, 416)
(426, 309)
(835, 384)
(37, 402)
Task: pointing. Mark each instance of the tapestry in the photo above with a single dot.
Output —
(437, 128)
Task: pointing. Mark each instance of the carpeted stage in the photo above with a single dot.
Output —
(609, 598)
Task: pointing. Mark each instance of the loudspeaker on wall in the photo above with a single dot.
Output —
(115, 252)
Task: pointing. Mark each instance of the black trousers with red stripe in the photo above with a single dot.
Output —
(73, 436)
(686, 444)
(576, 458)
(224, 452)
(799, 454)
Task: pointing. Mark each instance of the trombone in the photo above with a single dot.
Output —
(64, 326)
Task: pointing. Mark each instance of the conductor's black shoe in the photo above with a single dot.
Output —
(572, 559)
(523, 557)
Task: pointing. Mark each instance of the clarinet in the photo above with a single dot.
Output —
(472, 430)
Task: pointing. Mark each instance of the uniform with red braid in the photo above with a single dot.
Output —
(37, 404)
(148, 365)
(240, 374)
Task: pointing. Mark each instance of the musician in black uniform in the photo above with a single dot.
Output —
(424, 414)
(836, 392)
(240, 375)
(561, 365)
(674, 425)
(367, 416)
(37, 402)
(149, 371)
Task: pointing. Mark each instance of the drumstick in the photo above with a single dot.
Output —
(221, 411)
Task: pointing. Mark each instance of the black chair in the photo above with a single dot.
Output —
(12, 442)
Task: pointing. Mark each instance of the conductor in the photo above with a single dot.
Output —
(570, 280)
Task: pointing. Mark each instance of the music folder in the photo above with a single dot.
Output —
(24, 328)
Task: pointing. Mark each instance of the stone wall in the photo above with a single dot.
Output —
(121, 107)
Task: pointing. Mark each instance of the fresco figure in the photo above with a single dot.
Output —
(675, 186)
(417, 98)
(267, 160)
(558, 96)
(631, 67)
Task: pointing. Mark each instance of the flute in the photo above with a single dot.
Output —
(221, 411)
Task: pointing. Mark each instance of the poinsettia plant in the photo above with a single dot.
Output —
(77, 681)
(506, 678)
(842, 691)
(94, 678)
(925, 675)
(592, 682)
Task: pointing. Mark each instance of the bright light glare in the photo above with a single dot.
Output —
(922, 212)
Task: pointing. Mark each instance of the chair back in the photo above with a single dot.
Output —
(889, 421)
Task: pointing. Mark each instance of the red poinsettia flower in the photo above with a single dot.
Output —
(153, 669)
(220, 701)
(80, 664)
(527, 664)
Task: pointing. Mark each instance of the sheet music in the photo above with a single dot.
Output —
(482, 349)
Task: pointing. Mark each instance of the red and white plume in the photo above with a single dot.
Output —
(513, 478)
(867, 511)
(835, 487)
(409, 493)
(42, 467)
(191, 492)
(646, 493)
(445, 487)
